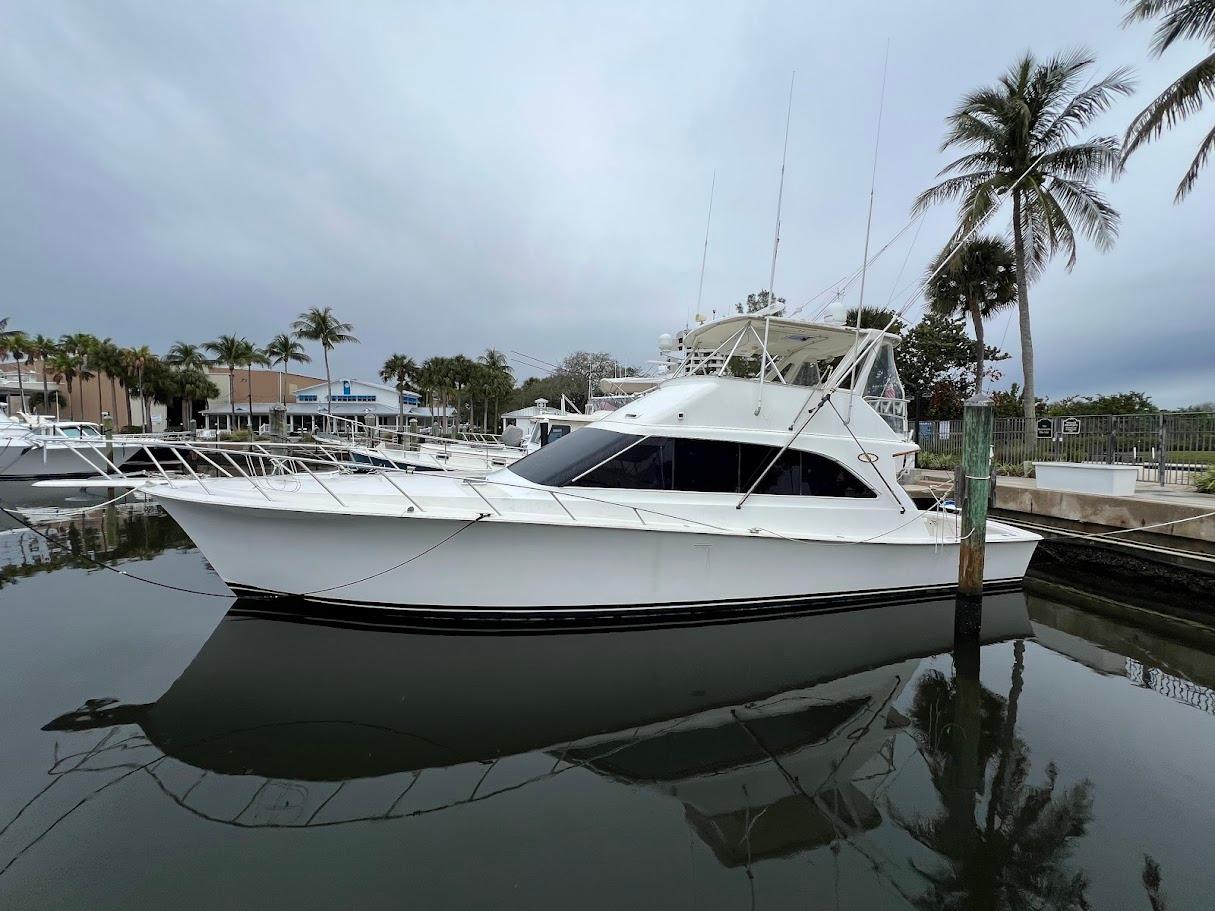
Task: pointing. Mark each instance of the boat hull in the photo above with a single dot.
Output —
(20, 460)
(493, 568)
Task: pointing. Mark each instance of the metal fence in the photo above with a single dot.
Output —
(1167, 447)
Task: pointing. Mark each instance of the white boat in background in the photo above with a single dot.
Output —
(33, 447)
(710, 492)
(471, 458)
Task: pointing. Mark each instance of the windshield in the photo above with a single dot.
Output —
(573, 454)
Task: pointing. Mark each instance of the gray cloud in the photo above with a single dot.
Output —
(451, 177)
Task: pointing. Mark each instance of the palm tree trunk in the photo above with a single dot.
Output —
(20, 386)
(144, 423)
(126, 390)
(400, 410)
(71, 400)
(114, 399)
(100, 406)
(249, 381)
(977, 318)
(1029, 407)
(232, 395)
(46, 389)
(328, 389)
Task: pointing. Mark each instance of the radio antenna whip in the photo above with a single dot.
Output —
(860, 306)
(704, 256)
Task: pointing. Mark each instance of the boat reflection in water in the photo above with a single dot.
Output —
(773, 734)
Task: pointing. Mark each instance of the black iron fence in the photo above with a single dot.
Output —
(1167, 447)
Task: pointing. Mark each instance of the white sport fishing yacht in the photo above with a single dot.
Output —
(711, 491)
(33, 447)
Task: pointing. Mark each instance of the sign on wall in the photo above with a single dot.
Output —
(1045, 428)
(1071, 426)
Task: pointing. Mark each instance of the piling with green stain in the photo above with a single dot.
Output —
(977, 421)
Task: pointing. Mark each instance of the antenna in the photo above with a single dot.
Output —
(860, 306)
(704, 256)
(764, 358)
(780, 195)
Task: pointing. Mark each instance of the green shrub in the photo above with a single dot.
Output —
(942, 461)
(1205, 481)
(239, 436)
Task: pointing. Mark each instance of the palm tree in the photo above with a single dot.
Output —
(502, 374)
(82, 345)
(978, 280)
(109, 360)
(1019, 136)
(1181, 19)
(436, 377)
(138, 360)
(63, 365)
(230, 351)
(191, 362)
(190, 383)
(253, 355)
(41, 348)
(318, 324)
(282, 350)
(399, 369)
(462, 375)
(1016, 853)
(16, 346)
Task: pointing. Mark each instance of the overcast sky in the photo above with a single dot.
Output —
(529, 176)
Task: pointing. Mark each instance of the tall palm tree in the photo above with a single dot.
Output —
(282, 350)
(82, 345)
(504, 377)
(399, 369)
(253, 355)
(462, 375)
(1180, 19)
(139, 359)
(978, 280)
(319, 324)
(230, 350)
(191, 362)
(1021, 135)
(40, 349)
(109, 360)
(16, 346)
(63, 365)
(191, 383)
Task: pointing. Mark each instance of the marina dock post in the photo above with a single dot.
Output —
(977, 422)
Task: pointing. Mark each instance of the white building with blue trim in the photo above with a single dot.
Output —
(370, 403)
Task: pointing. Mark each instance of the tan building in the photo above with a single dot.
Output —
(99, 396)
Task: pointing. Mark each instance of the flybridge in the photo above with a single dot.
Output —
(799, 353)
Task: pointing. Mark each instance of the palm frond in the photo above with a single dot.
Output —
(1088, 209)
(1181, 99)
(1097, 157)
(1086, 105)
(1191, 176)
(950, 188)
(1180, 19)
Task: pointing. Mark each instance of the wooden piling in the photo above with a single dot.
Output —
(977, 422)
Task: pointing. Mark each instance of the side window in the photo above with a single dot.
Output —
(799, 474)
(645, 466)
(708, 466)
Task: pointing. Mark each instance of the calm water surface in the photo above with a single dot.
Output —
(170, 750)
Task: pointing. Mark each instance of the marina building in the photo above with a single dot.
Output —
(370, 403)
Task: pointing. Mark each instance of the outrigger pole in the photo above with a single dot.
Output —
(780, 195)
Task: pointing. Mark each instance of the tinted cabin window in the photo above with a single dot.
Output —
(706, 465)
(562, 460)
(718, 466)
(645, 466)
